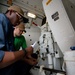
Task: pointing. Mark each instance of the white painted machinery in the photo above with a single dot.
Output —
(55, 42)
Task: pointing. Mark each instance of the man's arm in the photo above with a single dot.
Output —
(11, 57)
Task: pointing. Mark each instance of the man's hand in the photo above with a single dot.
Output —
(29, 50)
(30, 60)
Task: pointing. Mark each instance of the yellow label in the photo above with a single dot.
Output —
(48, 2)
(9, 2)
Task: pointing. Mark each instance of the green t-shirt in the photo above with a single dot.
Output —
(20, 42)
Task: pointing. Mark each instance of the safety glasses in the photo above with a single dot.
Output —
(20, 17)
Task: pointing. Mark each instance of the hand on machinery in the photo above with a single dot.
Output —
(31, 59)
(29, 50)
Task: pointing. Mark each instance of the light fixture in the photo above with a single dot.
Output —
(29, 14)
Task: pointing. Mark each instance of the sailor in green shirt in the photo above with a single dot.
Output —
(19, 41)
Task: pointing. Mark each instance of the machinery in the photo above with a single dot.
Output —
(56, 41)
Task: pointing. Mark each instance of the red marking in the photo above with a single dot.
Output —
(35, 24)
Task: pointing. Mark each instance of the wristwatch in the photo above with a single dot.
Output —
(25, 51)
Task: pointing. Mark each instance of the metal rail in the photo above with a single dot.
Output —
(52, 70)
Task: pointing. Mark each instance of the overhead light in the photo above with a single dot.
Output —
(31, 15)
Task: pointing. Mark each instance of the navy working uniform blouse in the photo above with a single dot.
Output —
(6, 42)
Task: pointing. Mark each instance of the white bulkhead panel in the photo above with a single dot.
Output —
(60, 24)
